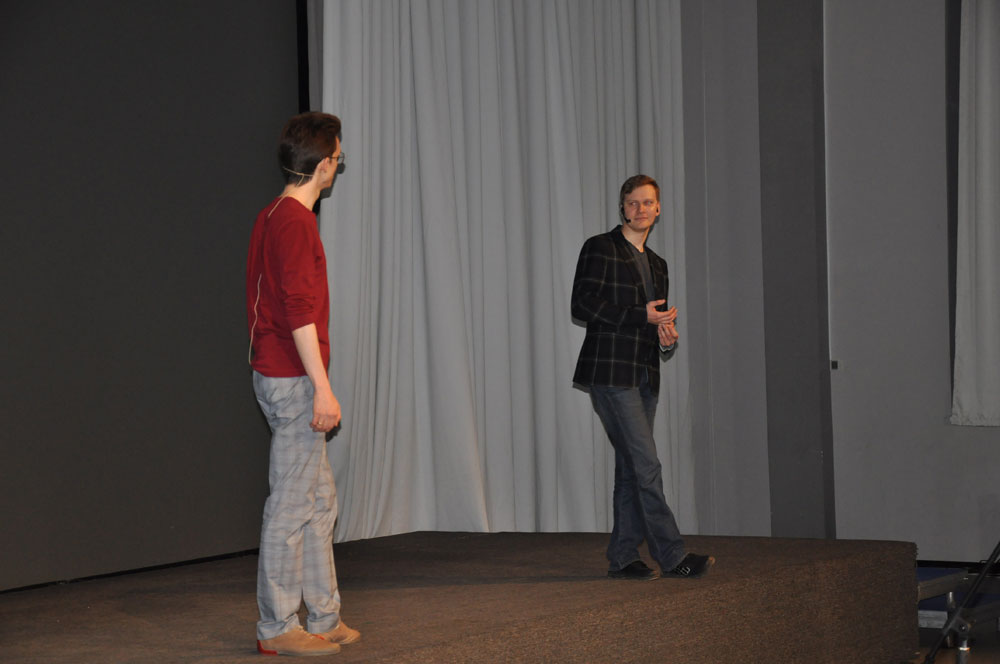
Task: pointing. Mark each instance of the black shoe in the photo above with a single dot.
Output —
(635, 570)
(692, 566)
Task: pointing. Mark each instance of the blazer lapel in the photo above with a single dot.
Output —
(659, 278)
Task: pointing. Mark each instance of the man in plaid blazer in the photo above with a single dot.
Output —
(620, 292)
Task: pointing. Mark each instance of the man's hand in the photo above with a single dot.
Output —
(668, 334)
(660, 317)
(326, 410)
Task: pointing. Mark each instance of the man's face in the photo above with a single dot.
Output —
(641, 207)
(331, 172)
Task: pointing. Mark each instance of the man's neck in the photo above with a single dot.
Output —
(307, 194)
(638, 239)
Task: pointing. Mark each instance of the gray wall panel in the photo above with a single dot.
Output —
(902, 471)
(726, 322)
(790, 78)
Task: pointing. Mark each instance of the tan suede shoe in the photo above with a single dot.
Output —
(297, 643)
(341, 634)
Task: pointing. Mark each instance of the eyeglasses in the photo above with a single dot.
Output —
(341, 157)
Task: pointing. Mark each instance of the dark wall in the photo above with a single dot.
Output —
(139, 144)
(793, 225)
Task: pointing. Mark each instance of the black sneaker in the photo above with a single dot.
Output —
(692, 566)
(637, 571)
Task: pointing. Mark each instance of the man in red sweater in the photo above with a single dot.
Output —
(288, 309)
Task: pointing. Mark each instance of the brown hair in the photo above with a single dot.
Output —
(306, 140)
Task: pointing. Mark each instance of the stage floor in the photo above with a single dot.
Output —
(511, 597)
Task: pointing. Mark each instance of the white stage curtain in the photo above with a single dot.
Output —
(976, 398)
(485, 141)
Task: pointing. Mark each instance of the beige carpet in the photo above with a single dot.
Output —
(506, 597)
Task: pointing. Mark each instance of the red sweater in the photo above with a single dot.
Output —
(286, 287)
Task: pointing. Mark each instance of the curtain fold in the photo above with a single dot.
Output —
(485, 142)
(976, 396)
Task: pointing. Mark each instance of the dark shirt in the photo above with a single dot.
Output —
(647, 275)
(647, 282)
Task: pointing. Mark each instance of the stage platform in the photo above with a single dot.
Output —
(504, 597)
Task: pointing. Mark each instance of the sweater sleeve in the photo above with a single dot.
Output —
(300, 278)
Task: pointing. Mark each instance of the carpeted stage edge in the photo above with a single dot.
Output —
(504, 597)
(530, 597)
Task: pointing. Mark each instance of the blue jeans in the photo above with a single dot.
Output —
(639, 507)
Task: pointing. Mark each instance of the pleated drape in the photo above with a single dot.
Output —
(485, 141)
(976, 396)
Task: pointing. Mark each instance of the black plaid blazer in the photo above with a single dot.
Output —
(608, 295)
